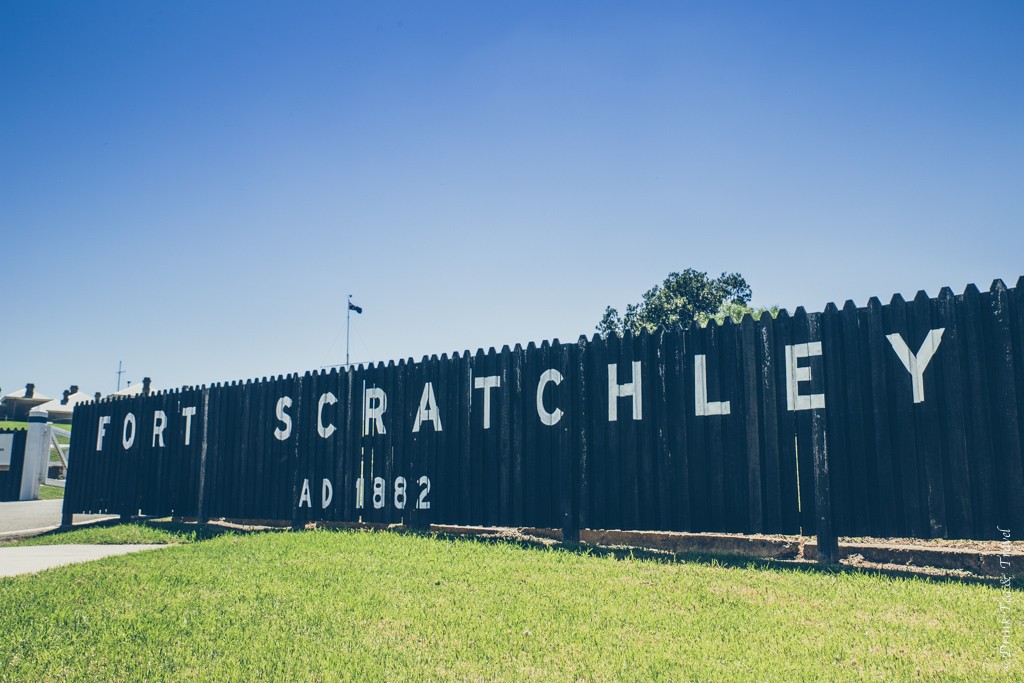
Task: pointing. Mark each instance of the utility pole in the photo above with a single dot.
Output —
(119, 373)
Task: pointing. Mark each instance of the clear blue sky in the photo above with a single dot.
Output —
(193, 188)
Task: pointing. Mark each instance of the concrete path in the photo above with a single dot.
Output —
(32, 559)
(35, 516)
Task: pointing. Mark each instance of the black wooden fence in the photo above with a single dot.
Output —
(525, 436)
(10, 472)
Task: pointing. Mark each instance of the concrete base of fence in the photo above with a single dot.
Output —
(982, 563)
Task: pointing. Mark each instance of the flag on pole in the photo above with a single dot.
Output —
(353, 307)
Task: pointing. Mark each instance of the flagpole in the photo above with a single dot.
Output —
(348, 325)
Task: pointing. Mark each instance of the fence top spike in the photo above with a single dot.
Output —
(799, 312)
(444, 357)
(518, 348)
(433, 358)
(555, 342)
(783, 314)
(306, 374)
(748, 318)
(531, 346)
(997, 285)
(849, 305)
(921, 296)
(946, 293)
(545, 344)
(505, 350)
(583, 341)
(1020, 283)
(491, 351)
(972, 289)
(248, 382)
(874, 302)
(830, 307)
(595, 338)
(897, 299)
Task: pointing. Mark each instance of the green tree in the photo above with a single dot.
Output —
(680, 300)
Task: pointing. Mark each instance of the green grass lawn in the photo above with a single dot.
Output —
(323, 605)
(107, 533)
(8, 424)
(50, 492)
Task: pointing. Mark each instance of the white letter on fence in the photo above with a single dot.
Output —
(304, 496)
(375, 404)
(796, 374)
(125, 441)
(487, 383)
(285, 418)
(104, 421)
(700, 390)
(428, 410)
(325, 399)
(547, 418)
(634, 388)
(916, 364)
(159, 425)
(326, 494)
(188, 413)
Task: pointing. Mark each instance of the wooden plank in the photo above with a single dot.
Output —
(658, 370)
(647, 492)
(911, 484)
(861, 466)
(716, 455)
(890, 516)
(466, 484)
(628, 439)
(951, 419)
(436, 467)
(677, 408)
(751, 425)
(926, 418)
(516, 415)
(583, 430)
(767, 392)
(1004, 406)
(801, 334)
(734, 462)
(979, 433)
(566, 482)
(501, 400)
(593, 505)
(696, 445)
(787, 430)
(836, 416)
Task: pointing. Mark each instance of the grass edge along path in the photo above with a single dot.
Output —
(335, 605)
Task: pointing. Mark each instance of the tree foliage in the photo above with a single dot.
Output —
(682, 299)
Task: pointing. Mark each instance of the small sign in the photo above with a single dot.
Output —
(6, 451)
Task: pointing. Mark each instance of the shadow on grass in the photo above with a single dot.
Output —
(730, 560)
